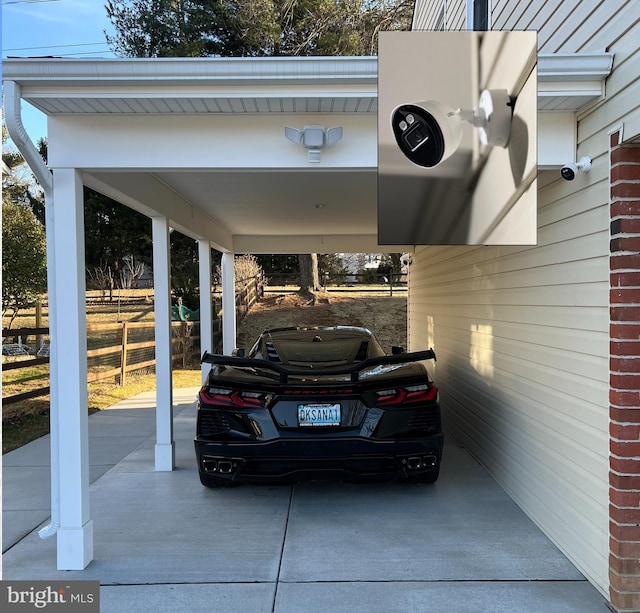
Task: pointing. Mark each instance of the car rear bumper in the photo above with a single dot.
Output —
(329, 459)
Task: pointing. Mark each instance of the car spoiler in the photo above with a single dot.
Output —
(285, 373)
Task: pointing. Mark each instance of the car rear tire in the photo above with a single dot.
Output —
(215, 482)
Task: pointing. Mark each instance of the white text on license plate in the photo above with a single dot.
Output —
(319, 414)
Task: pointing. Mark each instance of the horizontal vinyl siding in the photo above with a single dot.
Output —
(521, 335)
(427, 12)
(569, 26)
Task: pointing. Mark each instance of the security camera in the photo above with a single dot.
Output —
(569, 171)
(429, 131)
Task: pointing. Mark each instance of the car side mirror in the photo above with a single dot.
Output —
(397, 350)
(238, 352)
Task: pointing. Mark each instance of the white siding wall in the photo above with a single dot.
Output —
(522, 333)
(503, 208)
(428, 12)
(522, 338)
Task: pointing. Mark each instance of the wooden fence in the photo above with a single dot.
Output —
(342, 282)
(114, 350)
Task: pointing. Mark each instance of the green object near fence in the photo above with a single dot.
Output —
(179, 312)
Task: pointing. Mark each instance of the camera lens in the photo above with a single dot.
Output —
(416, 136)
(567, 173)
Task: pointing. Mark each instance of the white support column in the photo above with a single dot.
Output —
(206, 311)
(75, 534)
(228, 304)
(165, 448)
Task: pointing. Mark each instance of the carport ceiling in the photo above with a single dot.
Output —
(283, 202)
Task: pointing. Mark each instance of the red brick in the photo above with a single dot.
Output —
(623, 498)
(624, 400)
(624, 516)
(625, 154)
(624, 382)
(614, 139)
(624, 566)
(624, 331)
(625, 415)
(624, 583)
(624, 262)
(625, 190)
(625, 172)
(622, 449)
(626, 466)
(624, 602)
(625, 532)
(624, 215)
(625, 313)
(624, 549)
(629, 365)
(624, 432)
(624, 482)
(622, 348)
(625, 243)
(618, 295)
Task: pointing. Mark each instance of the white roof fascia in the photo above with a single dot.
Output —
(191, 71)
(571, 81)
(560, 76)
(571, 67)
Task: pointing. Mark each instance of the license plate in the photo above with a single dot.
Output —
(318, 415)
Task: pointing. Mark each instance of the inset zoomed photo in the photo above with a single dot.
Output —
(457, 154)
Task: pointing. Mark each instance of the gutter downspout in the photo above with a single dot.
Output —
(19, 136)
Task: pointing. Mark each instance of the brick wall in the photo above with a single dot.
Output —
(624, 377)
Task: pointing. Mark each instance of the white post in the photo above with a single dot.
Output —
(164, 450)
(69, 346)
(228, 304)
(206, 312)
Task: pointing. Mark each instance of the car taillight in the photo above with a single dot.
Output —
(406, 395)
(227, 397)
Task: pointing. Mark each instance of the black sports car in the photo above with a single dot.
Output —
(318, 403)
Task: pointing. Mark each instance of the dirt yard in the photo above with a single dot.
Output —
(384, 315)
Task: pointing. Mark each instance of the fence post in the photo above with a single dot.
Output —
(123, 360)
(183, 340)
(38, 324)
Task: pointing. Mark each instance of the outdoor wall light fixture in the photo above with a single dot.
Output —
(314, 139)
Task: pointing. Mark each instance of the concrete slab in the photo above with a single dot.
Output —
(210, 598)
(114, 433)
(17, 524)
(35, 453)
(440, 597)
(402, 532)
(162, 542)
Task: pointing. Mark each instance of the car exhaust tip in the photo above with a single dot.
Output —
(429, 461)
(225, 467)
(209, 465)
(414, 463)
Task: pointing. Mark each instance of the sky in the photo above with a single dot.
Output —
(64, 28)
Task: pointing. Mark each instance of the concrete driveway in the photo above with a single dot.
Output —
(162, 542)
